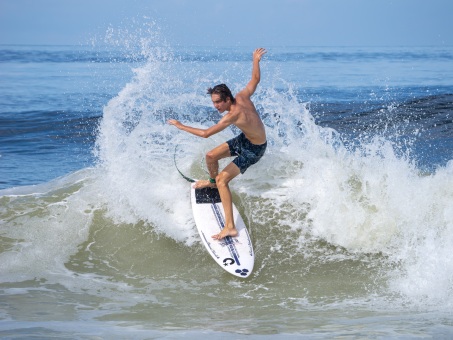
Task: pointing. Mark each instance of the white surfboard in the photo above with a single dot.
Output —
(234, 254)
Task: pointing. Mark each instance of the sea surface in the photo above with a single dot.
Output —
(350, 210)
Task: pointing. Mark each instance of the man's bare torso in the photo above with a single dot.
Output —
(245, 117)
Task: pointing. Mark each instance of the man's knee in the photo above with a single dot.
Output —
(210, 156)
(222, 179)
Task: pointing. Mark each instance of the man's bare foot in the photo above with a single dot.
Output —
(226, 232)
(204, 184)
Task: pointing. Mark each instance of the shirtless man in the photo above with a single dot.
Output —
(249, 146)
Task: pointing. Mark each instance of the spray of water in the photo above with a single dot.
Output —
(371, 199)
(368, 200)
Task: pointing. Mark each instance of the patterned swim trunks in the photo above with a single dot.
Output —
(246, 152)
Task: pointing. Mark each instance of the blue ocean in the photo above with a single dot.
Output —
(350, 211)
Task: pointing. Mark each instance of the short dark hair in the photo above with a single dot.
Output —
(221, 90)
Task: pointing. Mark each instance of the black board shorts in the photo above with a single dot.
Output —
(246, 152)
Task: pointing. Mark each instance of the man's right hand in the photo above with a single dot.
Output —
(174, 122)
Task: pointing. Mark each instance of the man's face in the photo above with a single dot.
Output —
(219, 104)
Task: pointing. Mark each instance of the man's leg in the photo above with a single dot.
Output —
(222, 180)
(212, 162)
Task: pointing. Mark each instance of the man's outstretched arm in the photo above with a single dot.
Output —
(205, 133)
(256, 72)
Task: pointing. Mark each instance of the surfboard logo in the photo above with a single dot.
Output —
(228, 261)
(242, 272)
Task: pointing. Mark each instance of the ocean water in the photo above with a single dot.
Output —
(350, 211)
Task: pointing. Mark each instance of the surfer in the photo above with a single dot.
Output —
(249, 146)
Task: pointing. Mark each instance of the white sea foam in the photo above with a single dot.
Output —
(45, 224)
(367, 200)
(370, 200)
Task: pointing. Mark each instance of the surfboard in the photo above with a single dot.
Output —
(233, 254)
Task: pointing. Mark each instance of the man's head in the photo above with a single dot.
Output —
(221, 96)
